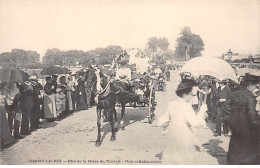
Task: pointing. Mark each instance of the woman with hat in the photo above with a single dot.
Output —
(6, 135)
(49, 99)
(37, 102)
(244, 123)
(179, 120)
(81, 94)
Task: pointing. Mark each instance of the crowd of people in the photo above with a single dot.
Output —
(26, 104)
(23, 105)
(233, 106)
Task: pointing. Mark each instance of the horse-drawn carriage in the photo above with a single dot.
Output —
(143, 86)
(138, 93)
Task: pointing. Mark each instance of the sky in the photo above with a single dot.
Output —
(84, 25)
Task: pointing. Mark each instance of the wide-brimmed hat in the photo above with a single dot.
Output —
(186, 83)
(251, 77)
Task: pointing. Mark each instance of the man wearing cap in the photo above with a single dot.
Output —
(244, 123)
(224, 97)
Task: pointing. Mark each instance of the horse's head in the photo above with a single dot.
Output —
(102, 79)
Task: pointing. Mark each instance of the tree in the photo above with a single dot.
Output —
(52, 57)
(188, 44)
(72, 57)
(19, 58)
(158, 50)
(155, 43)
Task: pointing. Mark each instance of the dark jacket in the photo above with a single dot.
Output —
(245, 125)
(37, 87)
(26, 99)
(48, 90)
(225, 93)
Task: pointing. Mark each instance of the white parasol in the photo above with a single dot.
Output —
(215, 67)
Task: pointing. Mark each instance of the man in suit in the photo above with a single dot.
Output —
(224, 97)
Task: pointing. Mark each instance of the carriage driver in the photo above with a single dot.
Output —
(123, 74)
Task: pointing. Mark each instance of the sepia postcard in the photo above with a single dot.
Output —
(112, 82)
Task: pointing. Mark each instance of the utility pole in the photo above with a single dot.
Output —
(187, 53)
(250, 57)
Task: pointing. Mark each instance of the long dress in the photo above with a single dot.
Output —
(49, 102)
(179, 120)
(81, 96)
(69, 96)
(244, 122)
(37, 102)
(6, 136)
(60, 100)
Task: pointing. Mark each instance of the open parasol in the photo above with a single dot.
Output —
(51, 70)
(215, 67)
(12, 75)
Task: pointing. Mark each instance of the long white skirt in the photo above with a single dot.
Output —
(49, 106)
(69, 98)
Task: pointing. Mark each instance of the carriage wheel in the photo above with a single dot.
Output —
(150, 110)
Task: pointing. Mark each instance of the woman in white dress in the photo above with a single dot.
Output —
(50, 112)
(178, 122)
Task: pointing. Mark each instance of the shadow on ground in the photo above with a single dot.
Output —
(132, 115)
(215, 150)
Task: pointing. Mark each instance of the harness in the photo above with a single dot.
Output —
(104, 92)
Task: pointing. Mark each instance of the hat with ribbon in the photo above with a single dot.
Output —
(186, 83)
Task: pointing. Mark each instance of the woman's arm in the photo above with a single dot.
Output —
(165, 119)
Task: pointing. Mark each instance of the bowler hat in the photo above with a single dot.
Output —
(186, 83)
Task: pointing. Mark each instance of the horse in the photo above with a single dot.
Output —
(108, 94)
